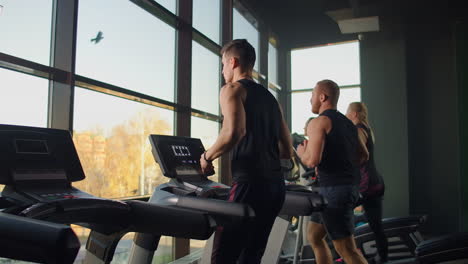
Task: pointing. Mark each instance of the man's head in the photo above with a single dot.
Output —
(325, 94)
(238, 56)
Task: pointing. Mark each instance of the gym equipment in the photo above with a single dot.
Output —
(452, 248)
(188, 187)
(37, 241)
(38, 166)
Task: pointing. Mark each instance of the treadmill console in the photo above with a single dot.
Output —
(178, 157)
(31, 154)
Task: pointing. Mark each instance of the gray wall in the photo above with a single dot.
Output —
(434, 124)
(409, 82)
(383, 83)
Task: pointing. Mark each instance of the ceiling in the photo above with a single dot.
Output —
(300, 23)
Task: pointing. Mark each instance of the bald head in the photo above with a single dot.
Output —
(330, 89)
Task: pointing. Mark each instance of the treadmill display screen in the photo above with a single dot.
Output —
(31, 146)
(177, 156)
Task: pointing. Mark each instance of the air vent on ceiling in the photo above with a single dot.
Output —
(359, 24)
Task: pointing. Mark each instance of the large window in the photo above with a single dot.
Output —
(205, 79)
(111, 136)
(25, 29)
(301, 110)
(338, 62)
(272, 64)
(122, 44)
(119, 44)
(242, 29)
(273, 86)
(348, 96)
(207, 18)
(23, 100)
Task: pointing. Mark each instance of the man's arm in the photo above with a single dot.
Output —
(311, 150)
(285, 142)
(363, 152)
(234, 127)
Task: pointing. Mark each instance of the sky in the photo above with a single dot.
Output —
(138, 53)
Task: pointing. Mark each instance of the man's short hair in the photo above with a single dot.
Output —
(331, 89)
(242, 50)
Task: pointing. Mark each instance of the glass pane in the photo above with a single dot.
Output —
(348, 96)
(207, 18)
(23, 22)
(137, 51)
(205, 79)
(168, 4)
(272, 64)
(242, 29)
(339, 63)
(111, 136)
(301, 110)
(24, 99)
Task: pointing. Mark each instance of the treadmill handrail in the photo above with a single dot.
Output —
(302, 203)
(169, 221)
(34, 240)
(80, 210)
(211, 206)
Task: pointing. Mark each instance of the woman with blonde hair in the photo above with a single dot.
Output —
(371, 186)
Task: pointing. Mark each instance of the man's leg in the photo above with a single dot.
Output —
(230, 239)
(258, 234)
(316, 235)
(266, 200)
(227, 244)
(346, 248)
(338, 219)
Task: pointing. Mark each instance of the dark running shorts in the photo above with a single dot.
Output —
(338, 216)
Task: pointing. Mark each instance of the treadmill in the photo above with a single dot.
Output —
(402, 234)
(38, 167)
(188, 187)
(451, 248)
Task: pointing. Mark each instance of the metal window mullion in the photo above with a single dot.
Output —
(13, 63)
(63, 50)
(263, 54)
(158, 11)
(284, 80)
(181, 247)
(206, 42)
(120, 92)
(351, 86)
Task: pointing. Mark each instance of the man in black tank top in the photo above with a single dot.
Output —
(257, 136)
(333, 148)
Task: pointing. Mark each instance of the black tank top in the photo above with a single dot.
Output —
(256, 156)
(339, 164)
(375, 184)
